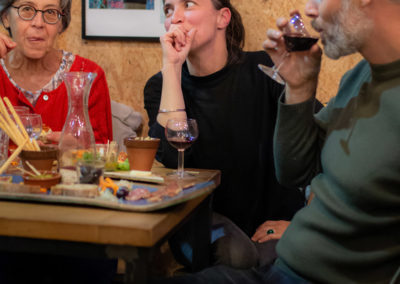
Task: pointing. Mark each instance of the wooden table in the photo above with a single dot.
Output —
(130, 236)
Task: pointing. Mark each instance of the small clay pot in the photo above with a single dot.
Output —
(42, 160)
(141, 152)
(45, 182)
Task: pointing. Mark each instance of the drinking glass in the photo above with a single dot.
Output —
(21, 110)
(296, 38)
(33, 124)
(3, 147)
(181, 133)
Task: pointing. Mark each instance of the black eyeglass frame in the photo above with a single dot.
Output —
(60, 14)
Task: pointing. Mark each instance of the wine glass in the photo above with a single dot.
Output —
(33, 124)
(19, 110)
(296, 38)
(181, 133)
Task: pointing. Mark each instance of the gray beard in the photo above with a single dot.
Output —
(346, 34)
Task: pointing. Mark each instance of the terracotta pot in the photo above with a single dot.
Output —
(42, 160)
(45, 182)
(141, 152)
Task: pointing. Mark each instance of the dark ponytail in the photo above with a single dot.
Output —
(235, 33)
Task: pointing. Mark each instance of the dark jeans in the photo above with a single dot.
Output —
(226, 275)
(230, 246)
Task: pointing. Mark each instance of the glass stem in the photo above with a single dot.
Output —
(180, 162)
(276, 69)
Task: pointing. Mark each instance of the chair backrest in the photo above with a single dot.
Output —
(126, 122)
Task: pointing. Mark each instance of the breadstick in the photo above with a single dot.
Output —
(19, 123)
(13, 156)
(36, 145)
(33, 168)
(26, 172)
(14, 129)
(9, 131)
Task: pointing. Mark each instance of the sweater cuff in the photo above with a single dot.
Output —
(290, 110)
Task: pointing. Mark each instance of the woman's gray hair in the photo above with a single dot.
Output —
(65, 6)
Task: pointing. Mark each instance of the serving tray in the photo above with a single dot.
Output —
(203, 183)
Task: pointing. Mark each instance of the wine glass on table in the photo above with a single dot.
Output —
(33, 124)
(181, 133)
(296, 38)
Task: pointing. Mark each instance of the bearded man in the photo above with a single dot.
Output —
(349, 153)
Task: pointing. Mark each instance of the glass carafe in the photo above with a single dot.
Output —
(77, 139)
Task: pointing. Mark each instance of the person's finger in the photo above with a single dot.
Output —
(267, 238)
(10, 44)
(274, 42)
(270, 45)
(274, 35)
(179, 35)
(281, 23)
(54, 136)
(6, 44)
(316, 51)
(261, 232)
(191, 35)
(178, 46)
(258, 234)
(3, 50)
(294, 12)
(264, 234)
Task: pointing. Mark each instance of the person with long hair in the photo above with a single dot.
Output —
(207, 76)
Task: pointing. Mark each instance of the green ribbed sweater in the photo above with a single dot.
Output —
(350, 154)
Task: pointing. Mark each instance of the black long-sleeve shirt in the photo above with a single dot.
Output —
(236, 111)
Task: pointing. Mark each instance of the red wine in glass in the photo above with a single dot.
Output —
(181, 143)
(298, 42)
(181, 133)
(296, 38)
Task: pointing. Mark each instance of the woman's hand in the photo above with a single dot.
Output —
(176, 44)
(6, 44)
(54, 136)
(300, 69)
(277, 227)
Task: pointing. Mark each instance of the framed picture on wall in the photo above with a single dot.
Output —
(122, 19)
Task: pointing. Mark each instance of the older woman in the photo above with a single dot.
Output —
(207, 76)
(30, 75)
(31, 68)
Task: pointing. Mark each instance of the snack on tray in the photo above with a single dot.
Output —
(6, 179)
(123, 163)
(77, 190)
(46, 130)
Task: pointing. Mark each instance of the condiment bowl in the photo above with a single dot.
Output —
(42, 160)
(46, 180)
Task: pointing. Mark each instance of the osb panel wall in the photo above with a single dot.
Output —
(128, 64)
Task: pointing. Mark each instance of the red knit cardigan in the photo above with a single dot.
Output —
(53, 106)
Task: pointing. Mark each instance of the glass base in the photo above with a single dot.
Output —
(183, 175)
(272, 73)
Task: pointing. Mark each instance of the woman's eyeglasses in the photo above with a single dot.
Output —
(27, 13)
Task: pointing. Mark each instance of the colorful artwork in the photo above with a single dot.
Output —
(121, 4)
(123, 19)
